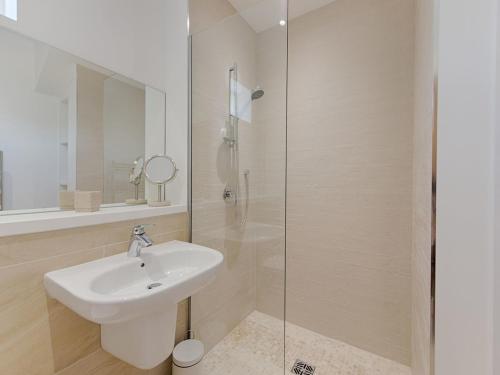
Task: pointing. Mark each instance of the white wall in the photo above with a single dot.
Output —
(464, 308)
(28, 129)
(146, 43)
(177, 95)
(122, 35)
(155, 120)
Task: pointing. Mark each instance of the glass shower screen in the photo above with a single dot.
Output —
(238, 160)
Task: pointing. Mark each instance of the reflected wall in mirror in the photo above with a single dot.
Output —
(67, 124)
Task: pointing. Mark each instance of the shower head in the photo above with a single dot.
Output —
(257, 93)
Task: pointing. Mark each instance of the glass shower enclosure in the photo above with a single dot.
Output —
(303, 119)
(238, 170)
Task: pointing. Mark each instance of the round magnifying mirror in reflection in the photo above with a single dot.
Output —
(160, 169)
(136, 172)
(135, 178)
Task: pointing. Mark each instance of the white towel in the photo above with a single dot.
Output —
(241, 102)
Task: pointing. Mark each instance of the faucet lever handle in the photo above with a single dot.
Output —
(141, 228)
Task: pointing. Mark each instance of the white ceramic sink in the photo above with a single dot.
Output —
(135, 299)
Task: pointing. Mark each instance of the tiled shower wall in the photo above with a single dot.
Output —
(40, 336)
(253, 273)
(350, 172)
(349, 204)
(270, 115)
(222, 305)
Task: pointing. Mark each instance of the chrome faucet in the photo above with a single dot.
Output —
(138, 240)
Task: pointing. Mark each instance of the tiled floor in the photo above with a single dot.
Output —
(255, 346)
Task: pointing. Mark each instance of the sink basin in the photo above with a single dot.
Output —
(135, 299)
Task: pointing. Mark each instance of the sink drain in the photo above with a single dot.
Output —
(154, 285)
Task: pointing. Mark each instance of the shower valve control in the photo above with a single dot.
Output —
(228, 194)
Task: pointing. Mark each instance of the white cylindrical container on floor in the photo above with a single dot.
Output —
(187, 357)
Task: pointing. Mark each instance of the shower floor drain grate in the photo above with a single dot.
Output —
(303, 368)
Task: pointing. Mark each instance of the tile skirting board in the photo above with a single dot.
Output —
(11, 225)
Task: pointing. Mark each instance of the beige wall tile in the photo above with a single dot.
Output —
(220, 307)
(121, 247)
(270, 116)
(72, 337)
(31, 247)
(29, 353)
(103, 363)
(31, 322)
(350, 140)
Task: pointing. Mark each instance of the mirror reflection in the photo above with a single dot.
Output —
(67, 124)
(135, 178)
(160, 170)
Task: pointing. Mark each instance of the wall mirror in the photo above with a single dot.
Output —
(68, 124)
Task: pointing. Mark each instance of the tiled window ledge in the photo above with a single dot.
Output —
(47, 221)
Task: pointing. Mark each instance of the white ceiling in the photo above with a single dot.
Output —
(264, 14)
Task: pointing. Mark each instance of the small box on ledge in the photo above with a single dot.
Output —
(67, 200)
(88, 201)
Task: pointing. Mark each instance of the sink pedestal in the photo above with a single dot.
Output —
(144, 342)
